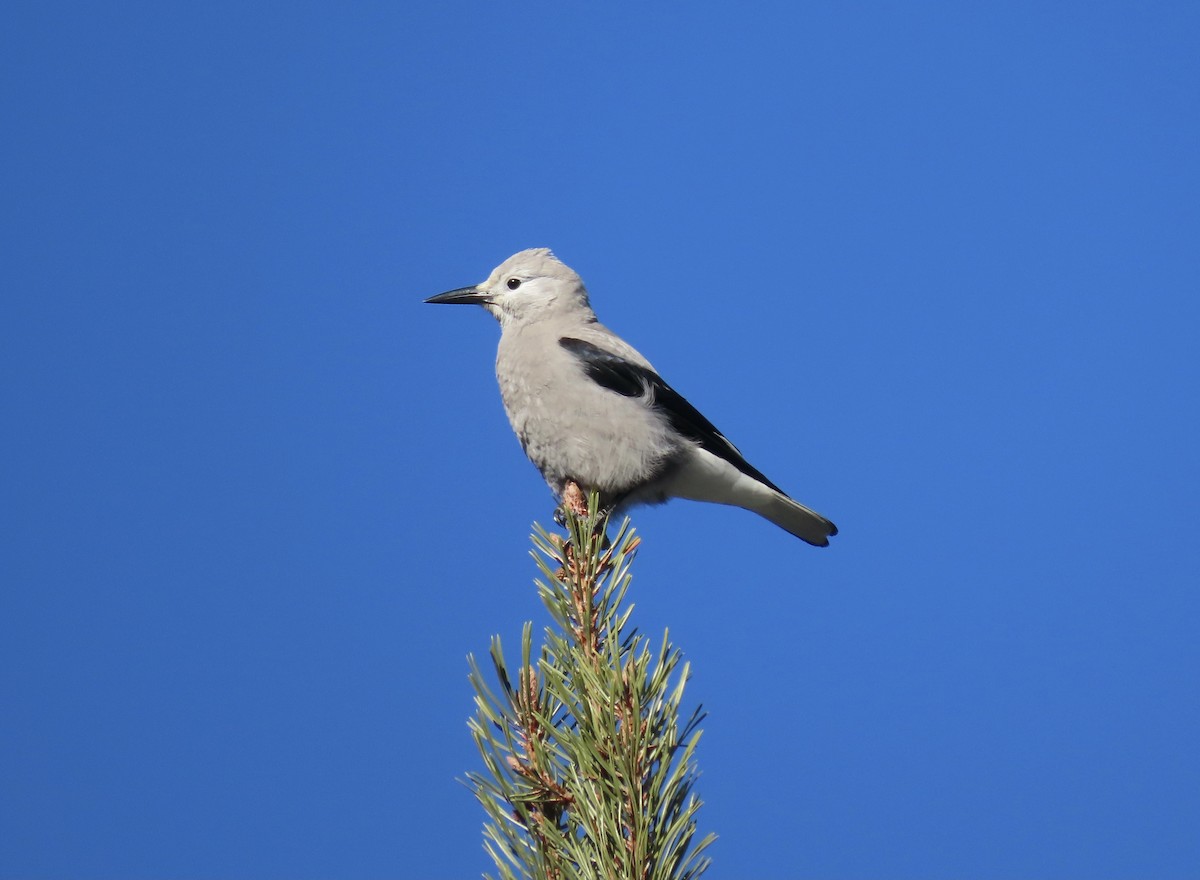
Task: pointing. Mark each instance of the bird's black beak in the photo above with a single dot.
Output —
(467, 295)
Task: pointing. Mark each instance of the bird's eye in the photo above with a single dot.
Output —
(514, 283)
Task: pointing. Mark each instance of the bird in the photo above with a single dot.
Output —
(592, 413)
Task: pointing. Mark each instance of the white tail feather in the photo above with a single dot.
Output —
(709, 478)
(794, 517)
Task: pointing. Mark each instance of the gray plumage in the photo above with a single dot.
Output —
(589, 409)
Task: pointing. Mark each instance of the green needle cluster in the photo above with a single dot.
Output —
(589, 771)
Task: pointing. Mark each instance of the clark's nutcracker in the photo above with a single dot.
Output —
(592, 413)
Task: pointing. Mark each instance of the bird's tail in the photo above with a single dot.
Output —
(705, 477)
(794, 517)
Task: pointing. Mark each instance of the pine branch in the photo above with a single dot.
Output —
(589, 769)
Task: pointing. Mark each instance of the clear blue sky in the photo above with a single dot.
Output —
(933, 267)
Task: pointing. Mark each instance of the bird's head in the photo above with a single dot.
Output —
(529, 286)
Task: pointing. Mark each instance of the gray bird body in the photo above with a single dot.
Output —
(589, 409)
(570, 427)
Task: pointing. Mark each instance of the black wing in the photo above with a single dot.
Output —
(631, 380)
